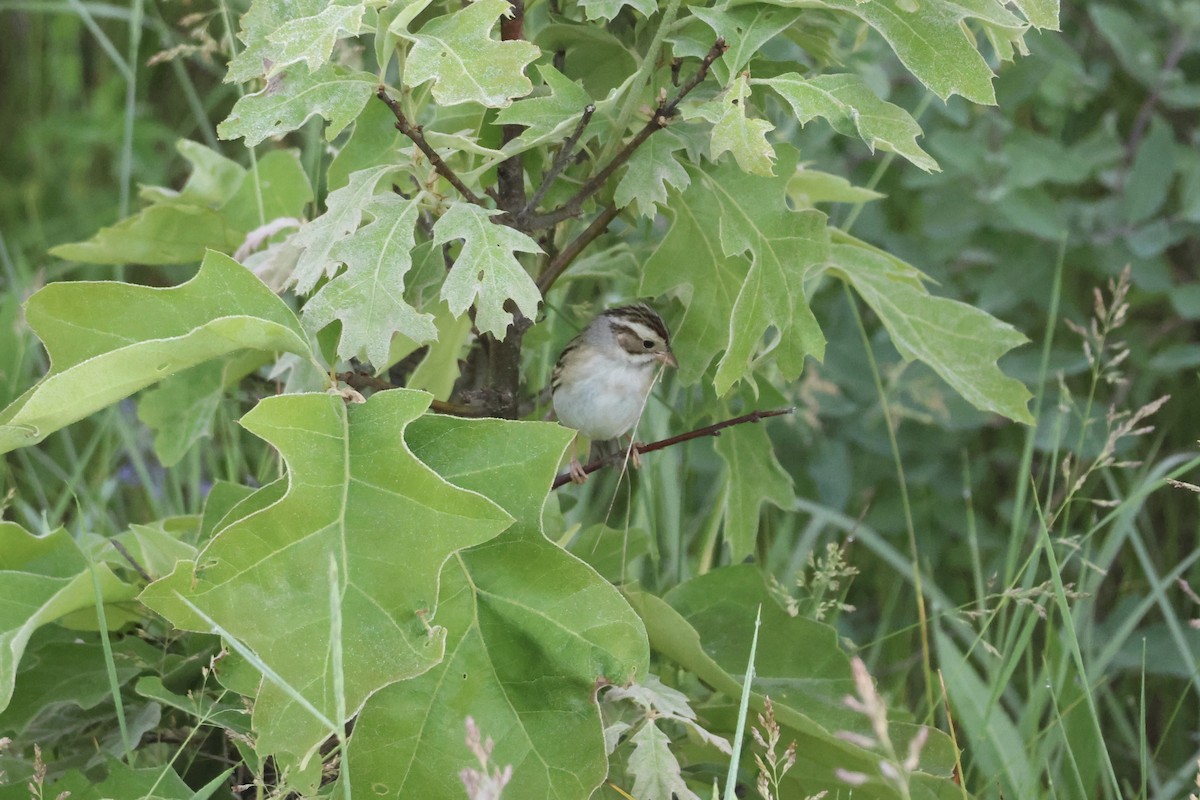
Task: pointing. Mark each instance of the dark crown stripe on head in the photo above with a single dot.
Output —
(643, 314)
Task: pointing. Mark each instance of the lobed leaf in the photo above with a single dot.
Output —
(344, 210)
(655, 769)
(289, 98)
(355, 496)
(736, 132)
(932, 40)
(107, 340)
(651, 169)
(486, 272)
(853, 110)
(311, 38)
(263, 18)
(532, 632)
(960, 342)
(369, 296)
(754, 476)
(742, 255)
(1040, 13)
(608, 9)
(745, 29)
(548, 118)
(465, 63)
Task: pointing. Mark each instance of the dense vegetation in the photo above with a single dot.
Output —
(973, 557)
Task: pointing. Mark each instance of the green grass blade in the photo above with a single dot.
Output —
(743, 708)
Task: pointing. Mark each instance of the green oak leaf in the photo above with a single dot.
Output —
(652, 167)
(1040, 13)
(212, 178)
(853, 110)
(745, 29)
(754, 477)
(369, 296)
(705, 626)
(655, 769)
(608, 9)
(734, 131)
(465, 63)
(708, 278)
(486, 272)
(42, 579)
(279, 33)
(532, 632)
(107, 340)
(343, 212)
(931, 41)
(263, 18)
(216, 209)
(159, 234)
(357, 508)
(808, 187)
(311, 39)
(736, 298)
(287, 101)
(960, 342)
(548, 118)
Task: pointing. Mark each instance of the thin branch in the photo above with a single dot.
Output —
(708, 430)
(132, 561)
(569, 253)
(658, 120)
(561, 160)
(415, 133)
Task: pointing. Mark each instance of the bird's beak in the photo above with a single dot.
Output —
(668, 358)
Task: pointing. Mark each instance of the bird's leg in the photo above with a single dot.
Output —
(578, 476)
(635, 458)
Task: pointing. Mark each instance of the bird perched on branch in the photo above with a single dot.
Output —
(604, 375)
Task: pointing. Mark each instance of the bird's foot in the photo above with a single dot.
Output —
(578, 476)
(635, 458)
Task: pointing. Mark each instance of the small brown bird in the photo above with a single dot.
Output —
(604, 375)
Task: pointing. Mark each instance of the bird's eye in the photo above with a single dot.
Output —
(647, 343)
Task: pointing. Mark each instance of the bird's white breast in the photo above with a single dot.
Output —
(603, 397)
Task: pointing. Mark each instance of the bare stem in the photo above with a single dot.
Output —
(561, 160)
(708, 430)
(658, 120)
(415, 133)
(569, 253)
